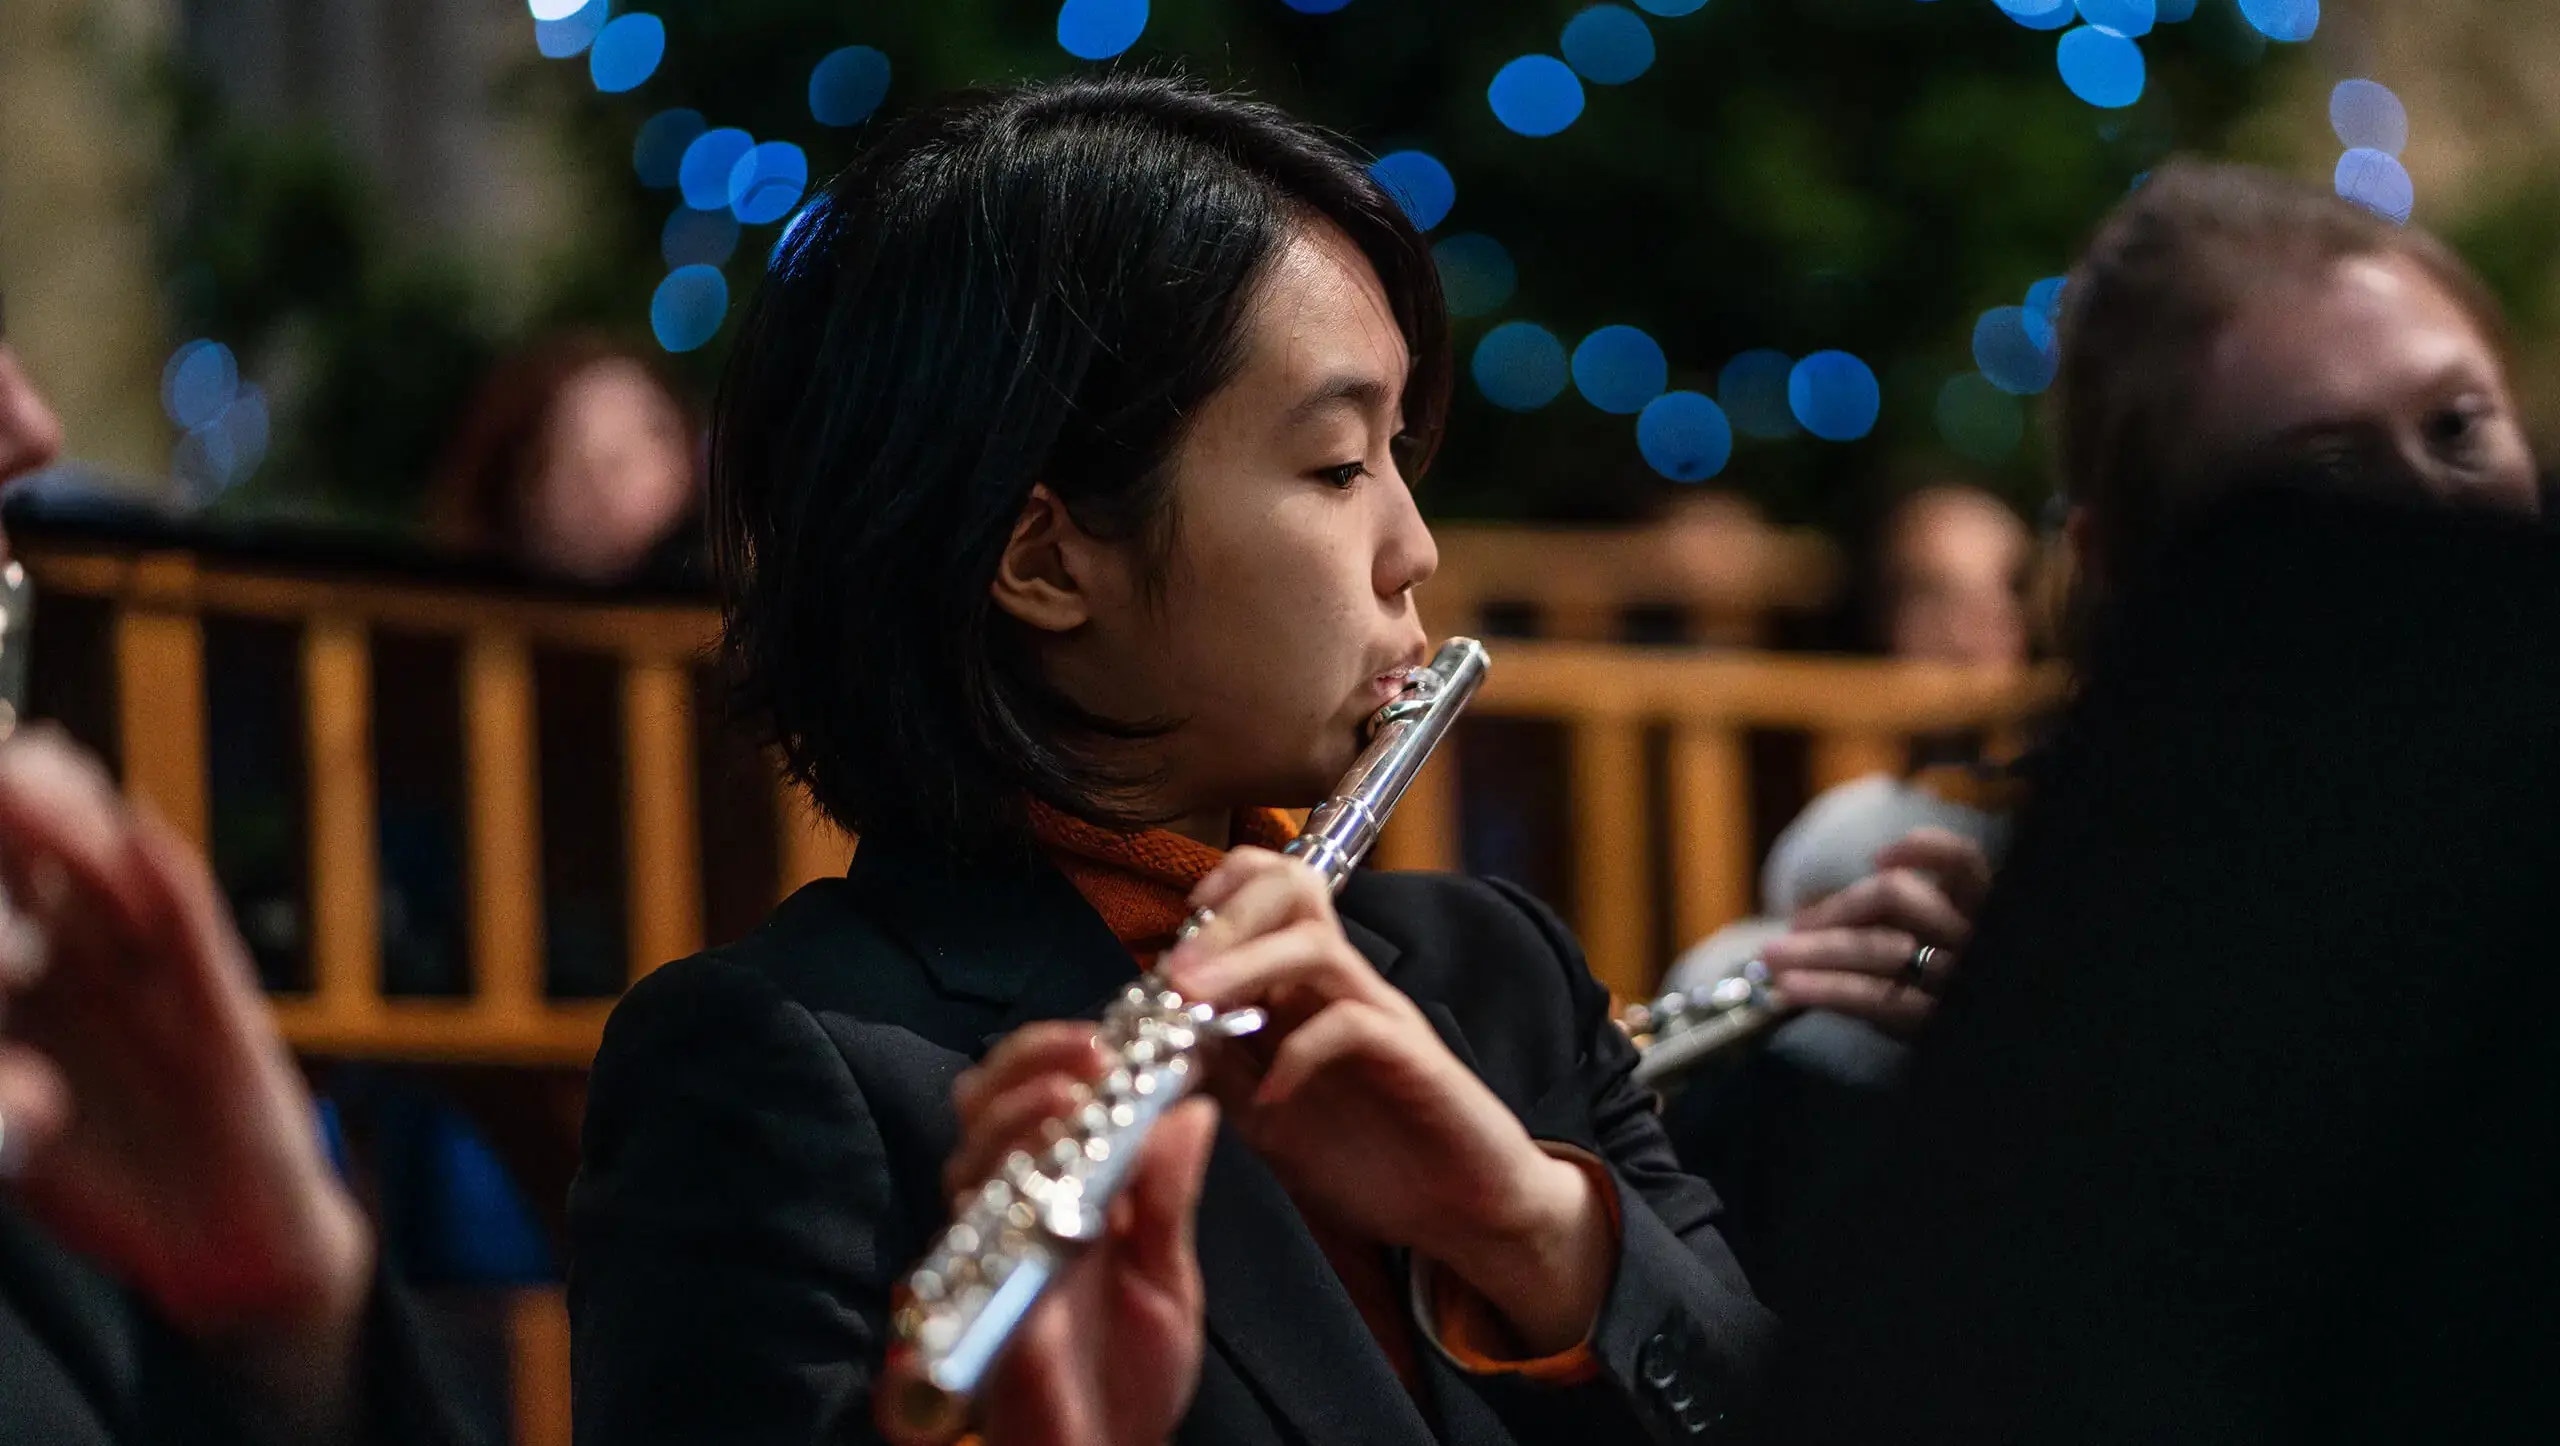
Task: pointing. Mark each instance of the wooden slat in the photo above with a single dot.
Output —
(1711, 855)
(1423, 831)
(160, 699)
(504, 824)
(449, 1031)
(538, 1367)
(1844, 754)
(664, 852)
(346, 893)
(1546, 680)
(663, 631)
(1613, 895)
(812, 847)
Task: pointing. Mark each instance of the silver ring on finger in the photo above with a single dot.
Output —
(1920, 967)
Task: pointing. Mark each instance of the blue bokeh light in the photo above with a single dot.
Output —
(848, 85)
(2045, 297)
(657, 155)
(767, 182)
(1753, 389)
(1684, 436)
(2040, 14)
(2378, 182)
(1476, 274)
(226, 448)
(2368, 116)
(1420, 184)
(552, 9)
(1671, 8)
(1608, 45)
(1100, 29)
(1536, 95)
(2015, 348)
(703, 174)
(1519, 366)
(1835, 396)
(1979, 420)
(1619, 368)
(689, 307)
(627, 52)
(2102, 67)
(2130, 18)
(199, 381)
(698, 238)
(1315, 7)
(573, 33)
(2174, 12)
(2288, 20)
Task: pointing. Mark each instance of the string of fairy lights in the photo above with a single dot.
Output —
(725, 182)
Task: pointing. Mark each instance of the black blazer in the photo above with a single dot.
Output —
(82, 1364)
(767, 1125)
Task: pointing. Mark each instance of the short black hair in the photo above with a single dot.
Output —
(1033, 285)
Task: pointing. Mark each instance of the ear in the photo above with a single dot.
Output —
(1042, 580)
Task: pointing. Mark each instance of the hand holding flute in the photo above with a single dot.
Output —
(1112, 1355)
(1369, 1120)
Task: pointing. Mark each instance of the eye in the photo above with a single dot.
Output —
(1345, 475)
(2455, 427)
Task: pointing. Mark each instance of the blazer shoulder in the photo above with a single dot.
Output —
(1506, 925)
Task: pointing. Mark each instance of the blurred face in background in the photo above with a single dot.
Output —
(613, 476)
(2374, 348)
(1957, 560)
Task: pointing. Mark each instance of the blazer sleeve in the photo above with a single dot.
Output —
(726, 1279)
(1681, 1344)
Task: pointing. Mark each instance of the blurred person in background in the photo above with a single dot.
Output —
(576, 458)
(2224, 322)
(1952, 573)
(178, 1259)
(1942, 578)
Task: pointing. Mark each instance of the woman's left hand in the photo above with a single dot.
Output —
(1371, 1122)
(167, 1134)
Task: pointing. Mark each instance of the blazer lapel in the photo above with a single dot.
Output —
(1018, 938)
(1279, 1314)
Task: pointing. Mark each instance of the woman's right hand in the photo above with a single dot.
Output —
(1853, 953)
(1111, 1356)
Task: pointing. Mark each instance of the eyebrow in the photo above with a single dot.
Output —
(1365, 393)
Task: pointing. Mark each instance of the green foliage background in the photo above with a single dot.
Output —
(1865, 174)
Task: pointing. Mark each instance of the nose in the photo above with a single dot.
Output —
(1407, 555)
(30, 434)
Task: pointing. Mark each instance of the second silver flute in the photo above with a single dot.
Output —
(960, 1307)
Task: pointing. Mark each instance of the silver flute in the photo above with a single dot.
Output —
(1679, 1034)
(959, 1309)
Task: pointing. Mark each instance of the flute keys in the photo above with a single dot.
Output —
(961, 1240)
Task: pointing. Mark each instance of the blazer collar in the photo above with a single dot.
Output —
(1013, 935)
